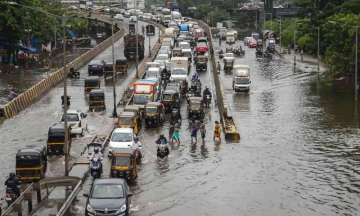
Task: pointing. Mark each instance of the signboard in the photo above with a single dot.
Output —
(219, 25)
(179, 62)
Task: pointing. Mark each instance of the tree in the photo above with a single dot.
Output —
(217, 16)
(202, 11)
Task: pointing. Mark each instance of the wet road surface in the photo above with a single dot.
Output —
(31, 125)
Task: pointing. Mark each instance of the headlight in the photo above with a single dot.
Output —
(90, 209)
(122, 209)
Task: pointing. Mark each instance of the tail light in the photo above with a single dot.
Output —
(79, 124)
(8, 195)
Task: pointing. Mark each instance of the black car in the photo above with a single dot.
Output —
(108, 196)
(96, 67)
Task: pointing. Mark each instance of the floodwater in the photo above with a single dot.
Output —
(298, 153)
(21, 80)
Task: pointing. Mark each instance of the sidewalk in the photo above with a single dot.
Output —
(308, 61)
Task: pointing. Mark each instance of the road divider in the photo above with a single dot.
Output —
(230, 129)
(31, 95)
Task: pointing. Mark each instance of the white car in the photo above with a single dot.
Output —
(229, 57)
(122, 138)
(184, 45)
(119, 17)
(77, 120)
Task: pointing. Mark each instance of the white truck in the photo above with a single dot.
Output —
(166, 11)
(175, 15)
(241, 79)
(179, 71)
(167, 20)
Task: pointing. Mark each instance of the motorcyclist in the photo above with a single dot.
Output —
(206, 91)
(13, 183)
(68, 100)
(195, 77)
(221, 52)
(162, 141)
(96, 154)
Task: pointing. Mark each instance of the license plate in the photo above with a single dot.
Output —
(94, 66)
(72, 125)
(8, 198)
(242, 89)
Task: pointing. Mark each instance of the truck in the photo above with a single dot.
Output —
(179, 71)
(166, 11)
(184, 28)
(175, 15)
(130, 45)
(146, 90)
(241, 79)
(167, 20)
(230, 37)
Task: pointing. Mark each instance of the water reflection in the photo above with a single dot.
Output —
(217, 145)
(204, 151)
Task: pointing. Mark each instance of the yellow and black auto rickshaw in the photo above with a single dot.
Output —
(195, 108)
(56, 140)
(169, 97)
(91, 82)
(97, 100)
(109, 69)
(136, 110)
(31, 163)
(123, 164)
(128, 120)
(154, 114)
(121, 65)
(201, 63)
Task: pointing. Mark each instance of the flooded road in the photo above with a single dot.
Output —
(31, 126)
(298, 153)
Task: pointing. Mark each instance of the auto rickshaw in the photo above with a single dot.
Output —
(56, 140)
(121, 65)
(123, 164)
(31, 163)
(195, 107)
(150, 30)
(97, 99)
(229, 50)
(109, 69)
(91, 82)
(169, 97)
(177, 52)
(128, 120)
(136, 110)
(83, 42)
(154, 114)
(201, 63)
(228, 66)
(187, 53)
(259, 48)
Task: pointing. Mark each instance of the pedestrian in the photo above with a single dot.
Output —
(202, 130)
(301, 54)
(296, 48)
(171, 132)
(176, 134)
(220, 41)
(193, 131)
(12, 95)
(217, 131)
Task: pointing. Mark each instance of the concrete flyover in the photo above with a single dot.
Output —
(30, 96)
(230, 129)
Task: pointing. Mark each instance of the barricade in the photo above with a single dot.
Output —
(30, 96)
(230, 129)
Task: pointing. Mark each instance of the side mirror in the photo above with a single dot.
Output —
(85, 194)
(250, 81)
(130, 194)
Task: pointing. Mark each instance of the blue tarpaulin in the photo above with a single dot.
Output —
(27, 49)
(71, 32)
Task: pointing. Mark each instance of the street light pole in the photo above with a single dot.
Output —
(55, 33)
(280, 34)
(114, 70)
(137, 41)
(294, 46)
(356, 65)
(264, 34)
(318, 50)
(65, 101)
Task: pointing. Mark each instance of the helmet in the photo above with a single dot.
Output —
(162, 136)
(96, 150)
(12, 175)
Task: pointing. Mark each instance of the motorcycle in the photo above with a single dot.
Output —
(207, 100)
(137, 146)
(62, 101)
(10, 196)
(73, 73)
(221, 54)
(162, 150)
(95, 168)
(189, 95)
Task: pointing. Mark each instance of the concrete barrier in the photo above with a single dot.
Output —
(31, 95)
(230, 129)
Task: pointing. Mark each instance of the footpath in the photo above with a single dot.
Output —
(308, 64)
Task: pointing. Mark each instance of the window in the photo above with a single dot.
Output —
(104, 191)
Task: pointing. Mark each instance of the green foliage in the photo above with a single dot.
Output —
(217, 16)
(202, 11)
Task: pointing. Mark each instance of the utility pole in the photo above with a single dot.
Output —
(356, 65)
(65, 102)
(294, 46)
(263, 33)
(55, 32)
(114, 69)
(137, 40)
(280, 34)
(318, 50)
